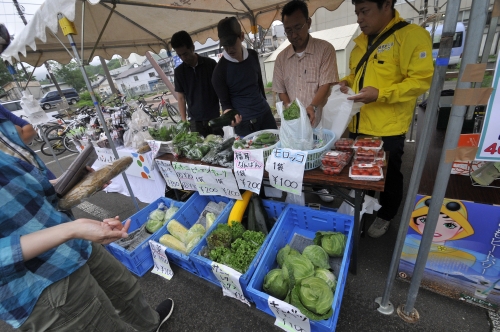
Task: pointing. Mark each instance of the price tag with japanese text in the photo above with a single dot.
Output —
(249, 169)
(155, 147)
(204, 180)
(225, 179)
(168, 172)
(288, 317)
(286, 169)
(185, 176)
(162, 266)
(230, 281)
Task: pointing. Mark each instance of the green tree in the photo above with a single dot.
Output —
(69, 74)
(6, 77)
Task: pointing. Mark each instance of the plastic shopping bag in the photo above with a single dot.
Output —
(370, 205)
(31, 107)
(338, 111)
(295, 134)
(137, 134)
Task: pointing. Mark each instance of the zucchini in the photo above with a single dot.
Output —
(251, 217)
(227, 144)
(224, 120)
(239, 207)
(261, 223)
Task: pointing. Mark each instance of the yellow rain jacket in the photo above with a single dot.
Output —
(401, 69)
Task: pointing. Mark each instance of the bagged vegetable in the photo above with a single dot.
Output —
(296, 133)
(170, 213)
(210, 218)
(194, 241)
(333, 242)
(173, 243)
(155, 219)
(177, 230)
(195, 231)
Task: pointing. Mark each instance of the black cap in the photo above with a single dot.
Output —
(228, 30)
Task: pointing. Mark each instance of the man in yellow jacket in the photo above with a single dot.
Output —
(394, 74)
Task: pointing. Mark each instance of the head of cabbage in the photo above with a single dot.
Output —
(313, 297)
(275, 285)
(317, 256)
(333, 242)
(327, 276)
(283, 254)
(297, 267)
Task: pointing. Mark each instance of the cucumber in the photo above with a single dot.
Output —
(251, 224)
(260, 215)
(223, 120)
(227, 144)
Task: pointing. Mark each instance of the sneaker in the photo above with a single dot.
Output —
(378, 228)
(164, 309)
(322, 193)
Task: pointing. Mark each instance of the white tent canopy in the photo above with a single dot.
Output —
(122, 27)
(340, 37)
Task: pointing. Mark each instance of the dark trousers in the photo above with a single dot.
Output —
(262, 122)
(391, 197)
(204, 129)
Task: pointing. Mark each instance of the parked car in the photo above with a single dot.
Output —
(12, 105)
(52, 98)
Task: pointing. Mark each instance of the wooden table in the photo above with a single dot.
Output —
(334, 183)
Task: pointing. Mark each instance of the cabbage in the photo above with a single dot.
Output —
(159, 213)
(327, 276)
(297, 267)
(313, 297)
(317, 256)
(170, 213)
(152, 225)
(284, 252)
(333, 242)
(275, 285)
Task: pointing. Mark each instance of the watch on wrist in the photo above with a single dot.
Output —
(315, 108)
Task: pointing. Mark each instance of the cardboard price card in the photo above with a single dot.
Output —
(225, 180)
(204, 180)
(162, 265)
(168, 173)
(286, 169)
(288, 317)
(230, 282)
(185, 176)
(249, 169)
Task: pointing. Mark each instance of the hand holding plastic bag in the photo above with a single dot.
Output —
(295, 134)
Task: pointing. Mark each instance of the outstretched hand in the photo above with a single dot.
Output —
(103, 232)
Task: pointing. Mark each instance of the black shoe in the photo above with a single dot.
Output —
(164, 309)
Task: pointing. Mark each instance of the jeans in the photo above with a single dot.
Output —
(264, 121)
(392, 196)
(100, 296)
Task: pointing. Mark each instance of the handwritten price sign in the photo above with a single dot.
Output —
(168, 173)
(227, 183)
(286, 169)
(489, 144)
(249, 169)
(204, 180)
(162, 266)
(288, 317)
(230, 281)
(185, 176)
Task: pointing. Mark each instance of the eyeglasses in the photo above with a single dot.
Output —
(296, 30)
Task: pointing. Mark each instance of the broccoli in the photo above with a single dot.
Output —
(237, 231)
(220, 237)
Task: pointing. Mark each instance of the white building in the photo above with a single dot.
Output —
(143, 78)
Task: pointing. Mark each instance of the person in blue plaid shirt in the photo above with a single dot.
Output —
(54, 273)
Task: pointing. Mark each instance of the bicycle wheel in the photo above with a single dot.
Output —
(173, 113)
(57, 145)
(53, 132)
(41, 129)
(69, 144)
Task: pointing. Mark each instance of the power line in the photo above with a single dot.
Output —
(17, 14)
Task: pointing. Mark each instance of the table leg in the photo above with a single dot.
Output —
(358, 202)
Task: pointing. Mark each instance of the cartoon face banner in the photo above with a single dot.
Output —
(462, 261)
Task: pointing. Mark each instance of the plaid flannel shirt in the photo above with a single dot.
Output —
(28, 204)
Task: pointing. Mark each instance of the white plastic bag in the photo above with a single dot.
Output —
(137, 134)
(31, 107)
(295, 134)
(370, 205)
(338, 111)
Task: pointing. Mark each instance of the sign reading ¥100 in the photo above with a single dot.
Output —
(286, 169)
(489, 144)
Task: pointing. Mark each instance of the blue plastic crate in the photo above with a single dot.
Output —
(140, 260)
(204, 265)
(188, 215)
(300, 221)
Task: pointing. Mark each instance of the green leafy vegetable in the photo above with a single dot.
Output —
(317, 256)
(220, 237)
(327, 276)
(333, 242)
(152, 225)
(297, 267)
(313, 297)
(275, 285)
(237, 231)
(292, 112)
(283, 254)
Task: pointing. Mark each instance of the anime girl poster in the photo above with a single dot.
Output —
(462, 261)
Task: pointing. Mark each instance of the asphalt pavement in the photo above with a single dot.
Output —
(200, 305)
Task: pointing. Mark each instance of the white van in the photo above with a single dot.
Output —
(458, 42)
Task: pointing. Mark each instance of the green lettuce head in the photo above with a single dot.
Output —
(313, 297)
(275, 285)
(297, 267)
(327, 276)
(317, 256)
(283, 254)
(333, 242)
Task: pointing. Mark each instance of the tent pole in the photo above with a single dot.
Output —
(160, 72)
(428, 124)
(98, 108)
(108, 76)
(479, 12)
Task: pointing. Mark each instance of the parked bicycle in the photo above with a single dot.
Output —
(165, 106)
